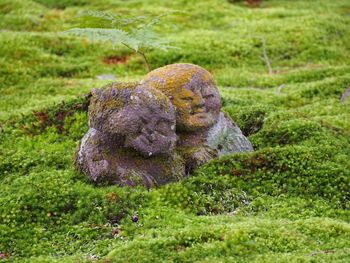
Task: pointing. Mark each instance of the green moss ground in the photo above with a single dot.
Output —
(286, 202)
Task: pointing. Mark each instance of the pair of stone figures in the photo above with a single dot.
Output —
(158, 130)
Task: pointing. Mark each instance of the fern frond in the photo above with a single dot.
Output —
(99, 19)
(148, 39)
(113, 36)
(135, 33)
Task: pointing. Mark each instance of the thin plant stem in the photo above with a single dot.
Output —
(148, 67)
(146, 61)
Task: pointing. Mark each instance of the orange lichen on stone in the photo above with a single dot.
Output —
(193, 92)
(173, 78)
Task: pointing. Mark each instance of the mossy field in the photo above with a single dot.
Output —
(288, 201)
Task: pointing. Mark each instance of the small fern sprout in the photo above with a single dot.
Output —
(135, 33)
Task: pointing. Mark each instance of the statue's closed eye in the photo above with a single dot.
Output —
(144, 120)
(187, 98)
(208, 96)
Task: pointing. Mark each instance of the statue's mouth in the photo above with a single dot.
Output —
(198, 110)
(145, 140)
(200, 115)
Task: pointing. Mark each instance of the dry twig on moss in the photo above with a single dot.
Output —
(266, 58)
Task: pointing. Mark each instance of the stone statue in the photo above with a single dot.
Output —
(158, 130)
(204, 132)
(131, 139)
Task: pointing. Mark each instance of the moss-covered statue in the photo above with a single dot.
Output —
(131, 139)
(204, 131)
(158, 130)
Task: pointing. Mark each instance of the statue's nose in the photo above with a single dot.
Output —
(152, 137)
(198, 100)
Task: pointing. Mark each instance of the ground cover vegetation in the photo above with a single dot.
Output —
(281, 69)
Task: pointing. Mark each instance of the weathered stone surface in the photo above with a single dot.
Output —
(204, 131)
(193, 92)
(104, 162)
(226, 137)
(131, 139)
(142, 119)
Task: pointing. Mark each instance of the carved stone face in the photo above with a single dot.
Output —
(197, 105)
(143, 119)
(193, 92)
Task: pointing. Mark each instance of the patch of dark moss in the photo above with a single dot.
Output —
(297, 131)
(249, 119)
(328, 88)
(290, 132)
(55, 116)
(57, 206)
(232, 181)
(62, 70)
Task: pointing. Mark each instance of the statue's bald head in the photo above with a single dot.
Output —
(193, 92)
